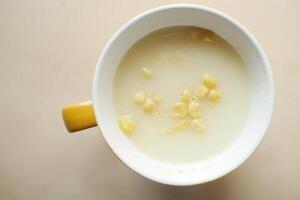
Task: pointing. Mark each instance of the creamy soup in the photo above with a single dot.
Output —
(182, 94)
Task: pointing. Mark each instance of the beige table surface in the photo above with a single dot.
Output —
(48, 50)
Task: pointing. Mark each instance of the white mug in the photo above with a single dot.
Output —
(101, 111)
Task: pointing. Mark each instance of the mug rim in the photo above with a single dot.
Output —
(221, 14)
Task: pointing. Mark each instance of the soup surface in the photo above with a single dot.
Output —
(182, 94)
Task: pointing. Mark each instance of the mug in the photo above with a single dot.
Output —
(101, 111)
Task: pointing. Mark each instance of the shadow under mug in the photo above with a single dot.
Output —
(102, 113)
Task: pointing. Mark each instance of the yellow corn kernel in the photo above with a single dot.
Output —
(183, 123)
(197, 126)
(194, 109)
(149, 105)
(146, 72)
(139, 98)
(186, 96)
(202, 92)
(180, 109)
(209, 81)
(179, 125)
(127, 124)
(208, 36)
(156, 99)
(214, 95)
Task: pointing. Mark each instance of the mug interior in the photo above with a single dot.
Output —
(261, 98)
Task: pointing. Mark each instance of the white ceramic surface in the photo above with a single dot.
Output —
(261, 82)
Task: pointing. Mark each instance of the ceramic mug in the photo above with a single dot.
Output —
(101, 110)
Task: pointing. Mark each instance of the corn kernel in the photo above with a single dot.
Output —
(208, 36)
(139, 98)
(178, 126)
(127, 124)
(180, 109)
(183, 123)
(149, 105)
(209, 81)
(186, 96)
(202, 92)
(156, 99)
(197, 126)
(194, 109)
(214, 95)
(146, 72)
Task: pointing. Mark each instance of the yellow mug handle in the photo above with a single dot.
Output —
(79, 116)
